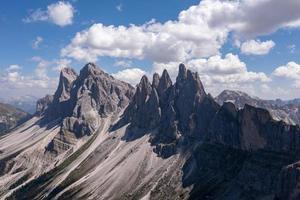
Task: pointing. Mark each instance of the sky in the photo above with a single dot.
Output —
(248, 45)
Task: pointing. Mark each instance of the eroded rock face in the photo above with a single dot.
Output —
(145, 100)
(288, 184)
(183, 111)
(67, 77)
(43, 104)
(95, 93)
(174, 110)
(252, 129)
(225, 126)
(80, 101)
(189, 95)
(60, 106)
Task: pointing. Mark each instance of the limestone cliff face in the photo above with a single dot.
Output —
(43, 104)
(253, 129)
(183, 112)
(175, 111)
(95, 93)
(80, 101)
(60, 106)
(289, 180)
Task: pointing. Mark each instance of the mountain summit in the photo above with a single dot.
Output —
(99, 138)
(288, 111)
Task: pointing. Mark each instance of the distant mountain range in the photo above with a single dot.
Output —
(288, 111)
(26, 103)
(98, 137)
(10, 117)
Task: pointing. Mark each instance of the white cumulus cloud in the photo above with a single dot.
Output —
(256, 47)
(60, 13)
(131, 76)
(13, 78)
(289, 71)
(200, 31)
(216, 70)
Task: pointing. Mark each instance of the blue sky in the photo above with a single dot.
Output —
(222, 40)
(16, 46)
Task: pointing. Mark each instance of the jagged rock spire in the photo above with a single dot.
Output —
(143, 91)
(186, 79)
(66, 79)
(164, 82)
(182, 73)
(80, 100)
(97, 94)
(43, 104)
(88, 69)
(172, 109)
(59, 107)
(155, 80)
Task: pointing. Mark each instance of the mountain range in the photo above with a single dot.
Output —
(26, 103)
(100, 138)
(10, 117)
(288, 111)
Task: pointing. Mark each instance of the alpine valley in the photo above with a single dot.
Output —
(100, 138)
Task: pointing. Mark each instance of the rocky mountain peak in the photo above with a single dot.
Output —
(164, 82)
(58, 106)
(143, 91)
(172, 109)
(287, 111)
(259, 114)
(155, 80)
(144, 83)
(188, 81)
(89, 69)
(66, 79)
(182, 73)
(43, 104)
(80, 100)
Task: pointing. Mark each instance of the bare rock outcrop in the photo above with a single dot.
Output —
(95, 93)
(175, 111)
(289, 182)
(43, 104)
(60, 106)
(80, 101)
(253, 129)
